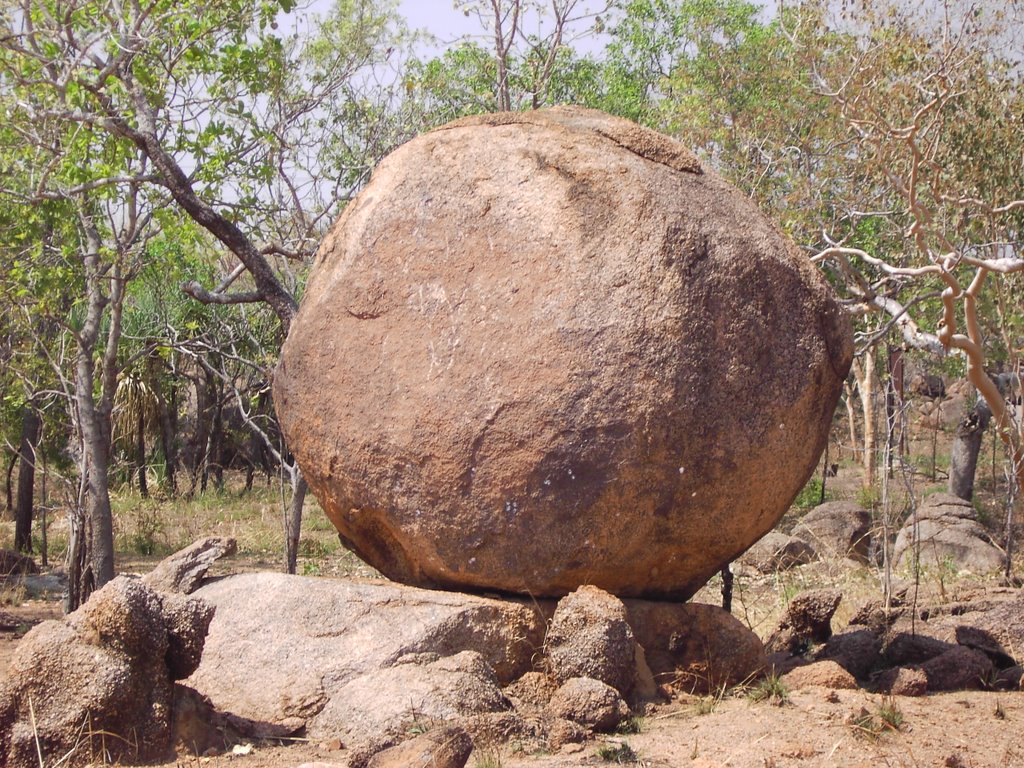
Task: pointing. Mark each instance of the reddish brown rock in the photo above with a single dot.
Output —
(546, 349)
(695, 648)
(903, 681)
(108, 667)
(825, 674)
(590, 637)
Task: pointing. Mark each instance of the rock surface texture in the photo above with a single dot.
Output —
(98, 685)
(358, 661)
(590, 637)
(547, 349)
(837, 529)
(948, 532)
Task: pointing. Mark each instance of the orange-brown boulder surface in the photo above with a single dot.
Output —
(548, 349)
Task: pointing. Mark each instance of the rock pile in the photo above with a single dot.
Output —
(369, 663)
(98, 685)
(548, 349)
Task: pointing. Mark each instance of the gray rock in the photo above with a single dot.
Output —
(949, 534)
(837, 529)
(776, 551)
(300, 652)
(185, 570)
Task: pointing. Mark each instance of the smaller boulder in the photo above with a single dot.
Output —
(958, 669)
(110, 664)
(911, 649)
(776, 551)
(928, 385)
(807, 621)
(945, 532)
(903, 681)
(590, 637)
(693, 647)
(822, 674)
(185, 570)
(837, 529)
(534, 689)
(858, 651)
(590, 703)
(447, 747)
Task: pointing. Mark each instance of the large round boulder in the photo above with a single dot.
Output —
(548, 349)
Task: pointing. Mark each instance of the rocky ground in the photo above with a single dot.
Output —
(804, 725)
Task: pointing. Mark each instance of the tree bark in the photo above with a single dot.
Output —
(963, 462)
(10, 487)
(293, 522)
(140, 456)
(31, 427)
(167, 431)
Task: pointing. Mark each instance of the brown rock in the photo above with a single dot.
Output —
(858, 651)
(808, 620)
(949, 534)
(534, 689)
(776, 551)
(110, 664)
(448, 747)
(837, 529)
(824, 674)
(184, 570)
(589, 703)
(589, 637)
(327, 651)
(694, 648)
(957, 669)
(520, 362)
(905, 648)
(903, 681)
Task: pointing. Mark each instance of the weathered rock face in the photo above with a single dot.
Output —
(837, 529)
(948, 532)
(98, 684)
(544, 350)
(358, 661)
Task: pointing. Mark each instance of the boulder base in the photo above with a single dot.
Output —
(547, 349)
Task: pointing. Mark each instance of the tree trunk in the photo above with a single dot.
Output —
(293, 522)
(167, 431)
(31, 427)
(140, 457)
(865, 375)
(963, 461)
(10, 486)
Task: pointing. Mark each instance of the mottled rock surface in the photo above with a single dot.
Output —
(777, 551)
(837, 529)
(693, 647)
(807, 621)
(589, 637)
(590, 703)
(946, 532)
(360, 661)
(547, 349)
(109, 668)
